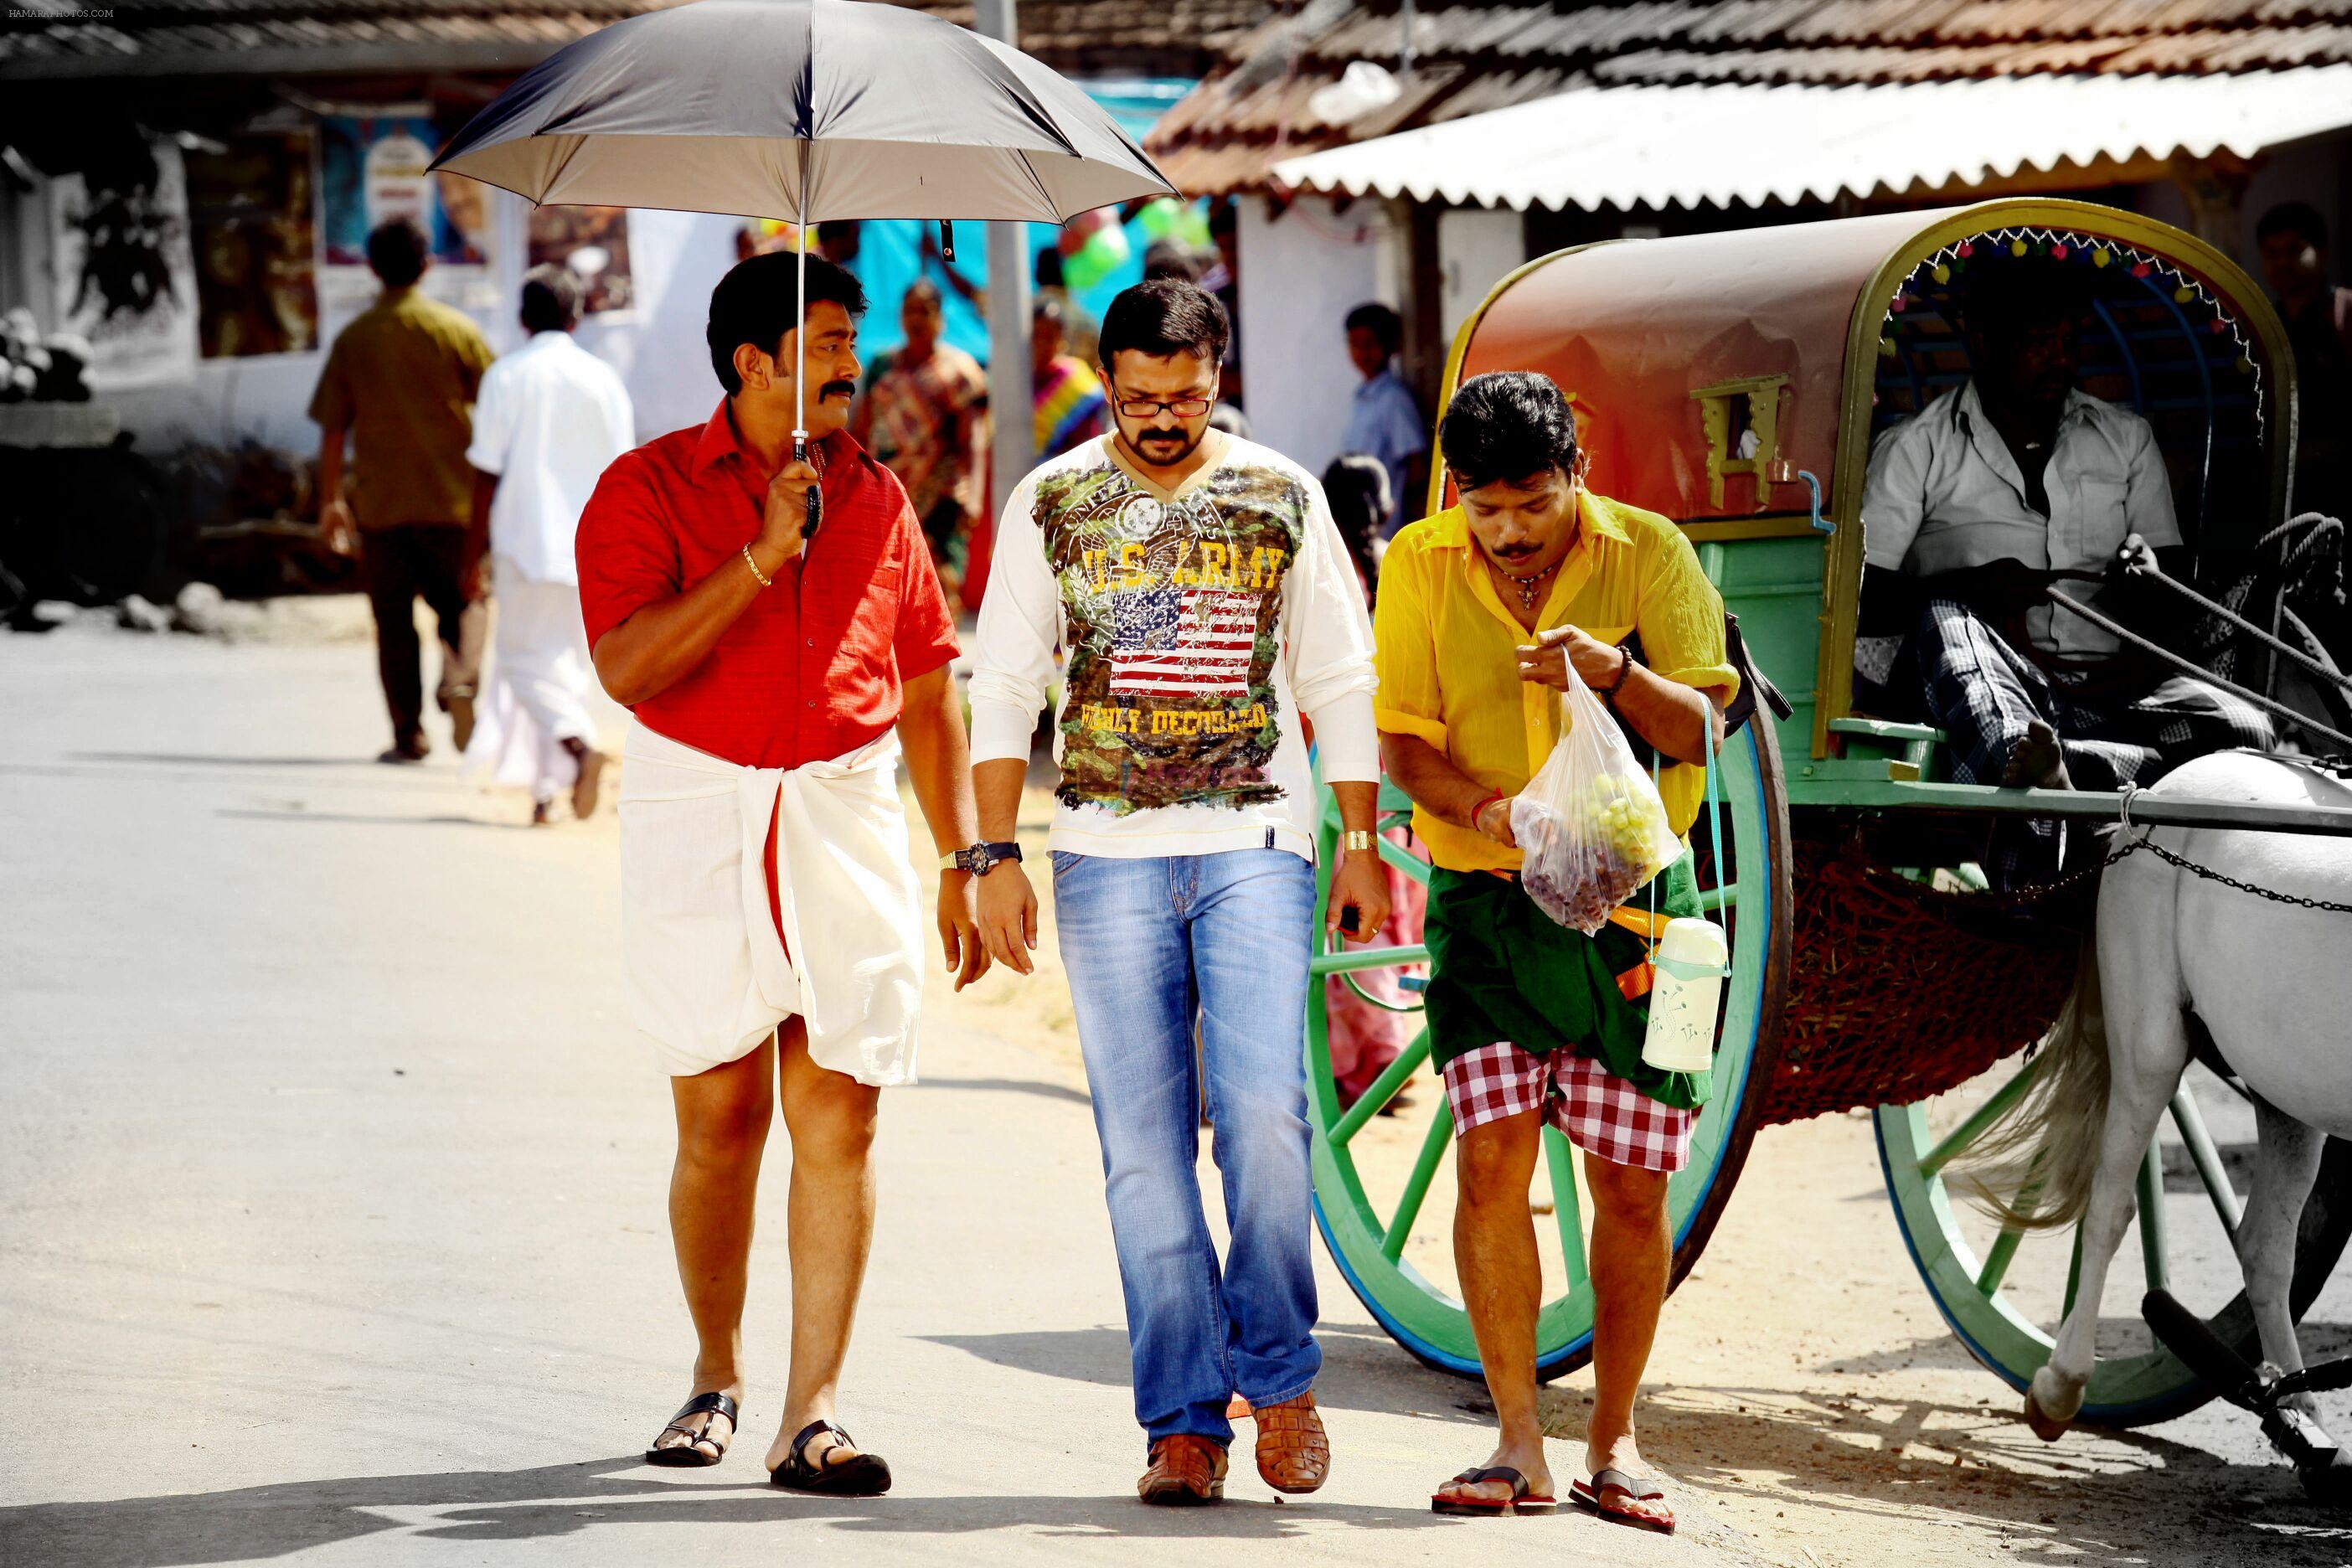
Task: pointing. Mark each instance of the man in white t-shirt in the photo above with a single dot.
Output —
(1209, 607)
(549, 418)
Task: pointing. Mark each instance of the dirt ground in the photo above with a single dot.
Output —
(1804, 1389)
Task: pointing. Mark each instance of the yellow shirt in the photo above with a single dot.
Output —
(1448, 671)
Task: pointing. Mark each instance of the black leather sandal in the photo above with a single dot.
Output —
(689, 1453)
(861, 1475)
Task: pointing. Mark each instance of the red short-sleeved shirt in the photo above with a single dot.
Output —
(815, 668)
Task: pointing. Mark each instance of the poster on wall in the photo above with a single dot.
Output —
(250, 202)
(594, 242)
(372, 169)
(125, 275)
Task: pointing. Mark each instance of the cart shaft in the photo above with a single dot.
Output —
(2147, 810)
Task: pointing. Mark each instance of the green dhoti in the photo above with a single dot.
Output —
(1501, 969)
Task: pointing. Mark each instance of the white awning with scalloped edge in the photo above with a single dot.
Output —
(1725, 144)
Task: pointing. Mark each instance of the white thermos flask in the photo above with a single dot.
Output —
(1692, 959)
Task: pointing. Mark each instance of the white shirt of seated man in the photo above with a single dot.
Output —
(1945, 493)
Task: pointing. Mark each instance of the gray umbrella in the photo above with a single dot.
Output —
(803, 110)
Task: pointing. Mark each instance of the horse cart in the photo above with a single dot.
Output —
(1733, 382)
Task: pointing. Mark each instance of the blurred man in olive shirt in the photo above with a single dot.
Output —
(400, 380)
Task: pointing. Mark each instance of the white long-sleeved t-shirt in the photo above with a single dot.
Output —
(1202, 623)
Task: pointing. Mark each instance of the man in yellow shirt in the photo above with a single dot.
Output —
(1486, 611)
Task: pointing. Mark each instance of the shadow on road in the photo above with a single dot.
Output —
(218, 760)
(302, 814)
(473, 1506)
(2053, 1503)
(1010, 1086)
(1362, 1368)
(1941, 1351)
(2320, 1341)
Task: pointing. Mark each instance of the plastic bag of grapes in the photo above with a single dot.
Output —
(1589, 824)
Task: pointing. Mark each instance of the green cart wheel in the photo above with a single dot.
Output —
(2000, 1293)
(1368, 1217)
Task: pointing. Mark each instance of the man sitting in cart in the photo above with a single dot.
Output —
(1531, 582)
(1975, 504)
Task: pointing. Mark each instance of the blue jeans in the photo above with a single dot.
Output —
(1151, 945)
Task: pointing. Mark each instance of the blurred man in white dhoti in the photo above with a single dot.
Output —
(550, 417)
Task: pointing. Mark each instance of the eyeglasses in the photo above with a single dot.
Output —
(1150, 407)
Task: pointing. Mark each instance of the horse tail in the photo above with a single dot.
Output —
(2032, 1166)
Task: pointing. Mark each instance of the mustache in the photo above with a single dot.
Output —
(839, 388)
(1516, 552)
(1163, 435)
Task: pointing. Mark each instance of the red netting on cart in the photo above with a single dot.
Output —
(1899, 991)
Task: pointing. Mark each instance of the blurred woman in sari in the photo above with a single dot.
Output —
(1067, 395)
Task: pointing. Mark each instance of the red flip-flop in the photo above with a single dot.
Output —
(1521, 1500)
(1590, 1496)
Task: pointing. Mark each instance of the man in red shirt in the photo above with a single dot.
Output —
(768, 667)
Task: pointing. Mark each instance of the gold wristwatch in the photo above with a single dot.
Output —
(1356, 838)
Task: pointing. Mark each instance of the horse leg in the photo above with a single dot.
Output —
(2286, 1163)
(2148, 1048)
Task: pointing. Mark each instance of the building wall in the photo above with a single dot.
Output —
(676, 259)
(679, 259)
(1300, 273)
(1475, 248)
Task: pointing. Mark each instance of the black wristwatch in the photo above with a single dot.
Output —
(980, 858)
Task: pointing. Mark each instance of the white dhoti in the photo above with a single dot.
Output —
(707, 977)
(534, 695)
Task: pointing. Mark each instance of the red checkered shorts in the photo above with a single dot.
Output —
(1598, 1111)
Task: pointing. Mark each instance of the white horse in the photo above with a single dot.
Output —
(2271, 983)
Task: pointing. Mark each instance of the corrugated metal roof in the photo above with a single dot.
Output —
(229, 38)
(2235, 52)
(1220, 169)
(1496, 91)
(1498, 54)
(1745, 21)
(62, 37)
(1688, 145)
(1860, 65)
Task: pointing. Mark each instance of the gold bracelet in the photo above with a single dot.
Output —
(1356, 838)
(765, 581)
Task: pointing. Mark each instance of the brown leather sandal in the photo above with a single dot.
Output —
(1186, 1471)
(1293, 1453)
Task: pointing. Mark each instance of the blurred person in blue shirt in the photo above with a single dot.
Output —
(1386, 421)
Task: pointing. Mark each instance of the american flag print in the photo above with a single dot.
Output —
(1183, 642)
(1173, 693)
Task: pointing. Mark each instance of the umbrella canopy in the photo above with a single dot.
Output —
(803, 111)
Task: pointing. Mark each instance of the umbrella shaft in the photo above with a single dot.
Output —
(800, 329)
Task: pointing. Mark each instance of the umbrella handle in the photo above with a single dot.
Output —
(816, 496)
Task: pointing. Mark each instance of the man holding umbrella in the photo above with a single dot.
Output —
(768, 909)
(769, 643)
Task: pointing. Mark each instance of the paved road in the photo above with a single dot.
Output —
(331, 1183)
